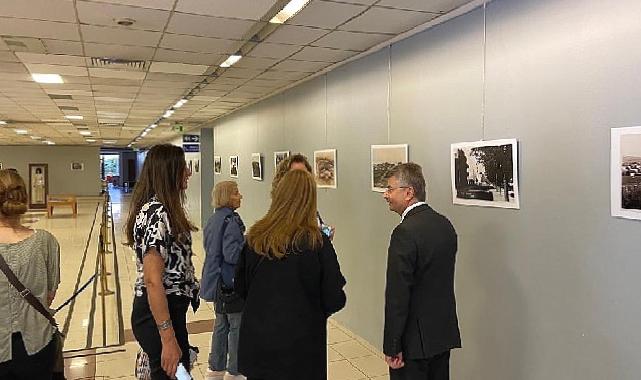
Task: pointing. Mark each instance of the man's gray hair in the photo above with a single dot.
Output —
(410, 175)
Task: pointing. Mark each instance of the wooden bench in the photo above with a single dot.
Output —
(61, 200)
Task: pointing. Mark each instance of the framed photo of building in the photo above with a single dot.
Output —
(384, 158)
(233, 166)
(325, 168)
(38, 185)
(257, 167)
(278, 157)
(218, 165)
(625, 172)
(485, 173)
(77, 166)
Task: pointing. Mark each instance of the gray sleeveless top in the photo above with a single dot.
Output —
(36, 262)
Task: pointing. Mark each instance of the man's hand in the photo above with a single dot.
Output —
(170, 356)
(396, 361)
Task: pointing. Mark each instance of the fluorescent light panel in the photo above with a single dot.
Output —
(231, 60)
(47, 78)
(85, 133)
(2, 122)
(288, 11)
(180, 103)
(74, 117)
(21, 131)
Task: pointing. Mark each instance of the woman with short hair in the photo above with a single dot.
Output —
(27, 347)
(224, 239)
(291, 281)
(159, 231)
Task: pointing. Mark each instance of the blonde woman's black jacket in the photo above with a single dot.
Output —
(420, 307)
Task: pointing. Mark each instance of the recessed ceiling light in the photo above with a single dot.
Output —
(74, 117)
(90, 140)
(180, 103)
(231, 60)
(21, 131)
(2, 122)
(47, 78)
(36, 138)
(288, 11)
(49, 142)
(85, 133)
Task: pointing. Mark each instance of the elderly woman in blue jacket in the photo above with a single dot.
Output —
(224, 240)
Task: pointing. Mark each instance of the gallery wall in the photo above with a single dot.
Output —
(193, 193)
(548, 291)
(62, 180)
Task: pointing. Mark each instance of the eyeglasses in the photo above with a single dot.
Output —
(389, 189)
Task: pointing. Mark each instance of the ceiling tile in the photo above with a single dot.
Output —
(255, 63)
(175, 77)
(250, 10)
(177, 68)
(198, 44)
(237, 72)
(63, 47)
(39, 29)
(295, 35)
(53, 59)
(282, 75)
(383, 20)
(206, 26)
(167, 55)
(269, 50)
(351, 40)
(134, 53)
(120, 36)
(109, 14)
(302, 66)
(12, 67)
(7, 56)
(52, 10)
(39, 68)
(111, 73)
(155, 4)
(436, 6)
(325, 14)
(321, 54)
(363, 2)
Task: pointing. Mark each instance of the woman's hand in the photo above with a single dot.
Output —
(170, 356)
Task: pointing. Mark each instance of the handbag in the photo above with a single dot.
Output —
(58, 337)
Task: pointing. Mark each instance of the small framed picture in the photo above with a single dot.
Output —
(233, 166)
(278, 157)
(77, 166)
(325, 168)
(257, 167)
(218, 165)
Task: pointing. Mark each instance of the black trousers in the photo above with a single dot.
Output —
(435, 368)
(28, 367)
(146, 332)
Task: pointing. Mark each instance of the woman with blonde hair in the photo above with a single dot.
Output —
(291, 281)
(224, 239)
(27, 347)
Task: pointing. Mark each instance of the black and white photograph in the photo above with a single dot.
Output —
(485, 173)
(197, 166)
(77, 166)
(625, 172)
(325, 168)
(257, 167)
(218, 165)
(233, 166)
(384, 159)
(279, 156)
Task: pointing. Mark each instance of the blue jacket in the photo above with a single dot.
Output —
(224, 240)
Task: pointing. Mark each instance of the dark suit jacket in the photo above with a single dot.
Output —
(420, 307)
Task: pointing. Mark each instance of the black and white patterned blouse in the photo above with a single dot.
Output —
(152, 230)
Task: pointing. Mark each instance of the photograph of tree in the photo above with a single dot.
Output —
(279, 156)
(218, 165)
(485, 173)
(257, 167)
(625, 172)
(233, 166)
(325, 168)
(384, 158)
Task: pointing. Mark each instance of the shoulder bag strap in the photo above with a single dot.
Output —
(24, 292)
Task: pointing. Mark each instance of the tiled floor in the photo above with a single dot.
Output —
(349, 356)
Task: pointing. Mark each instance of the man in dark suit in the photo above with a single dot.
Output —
(421, 326)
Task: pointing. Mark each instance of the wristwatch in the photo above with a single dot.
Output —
(164, 325)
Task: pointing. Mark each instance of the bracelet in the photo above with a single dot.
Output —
(164, 325)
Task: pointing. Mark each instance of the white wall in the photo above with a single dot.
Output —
(62, 180)
(193, 191)
(549, 291)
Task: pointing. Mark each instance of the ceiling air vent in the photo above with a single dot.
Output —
(56, 96)
(24, 44)
(118, 63)
(111, 125)
(68, 108)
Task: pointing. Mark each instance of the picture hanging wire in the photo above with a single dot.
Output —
(389, 91)
(484, 70)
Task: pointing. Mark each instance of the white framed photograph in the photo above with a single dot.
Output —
(77, 166)
(485, 173)
(383, 159)
(278, 157)
(625, 172)
(325, 168)
(233, 166)
(218, 165)
(257, 167)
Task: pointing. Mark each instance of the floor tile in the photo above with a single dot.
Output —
(351, 349)
(370, 365)
(343, 370)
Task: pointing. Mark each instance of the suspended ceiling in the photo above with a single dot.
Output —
(121, 79)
